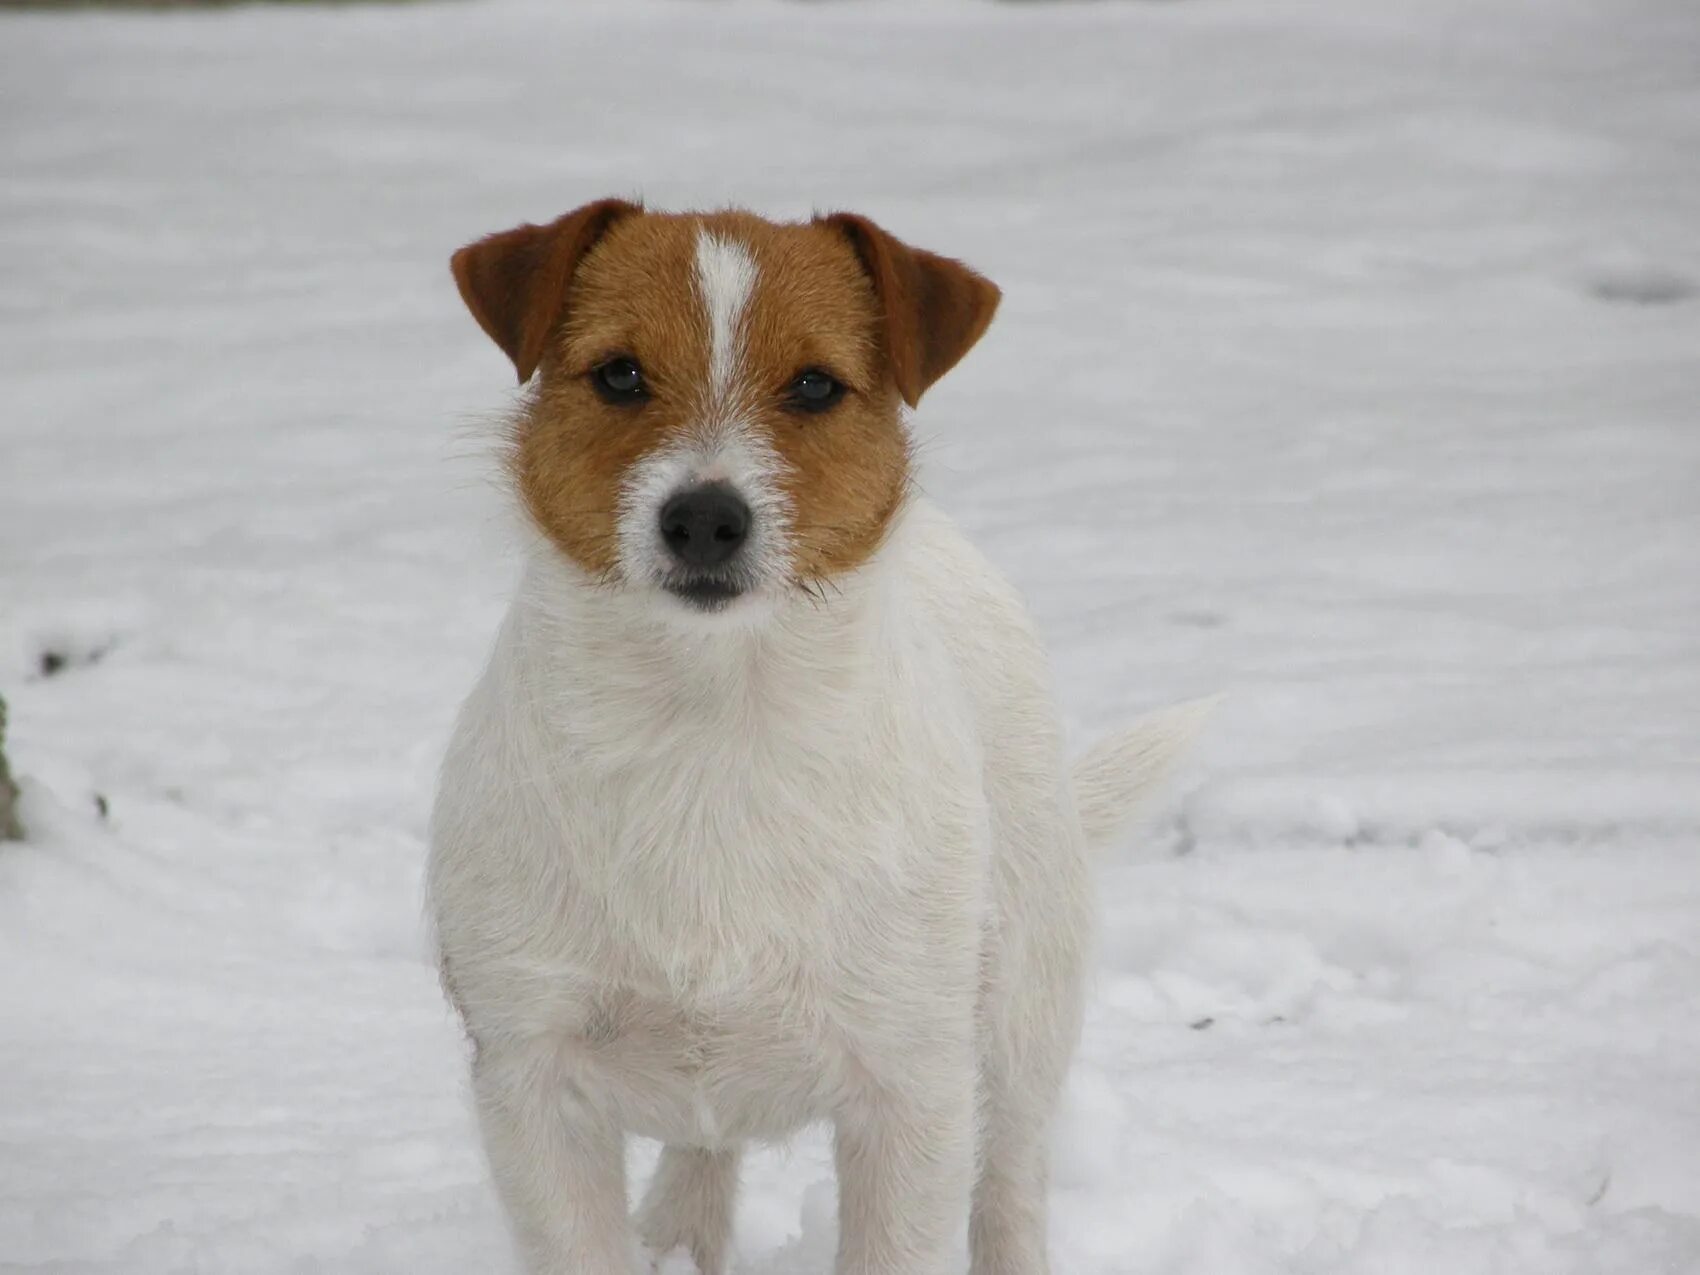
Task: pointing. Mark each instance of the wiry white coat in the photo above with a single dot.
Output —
(710, 881)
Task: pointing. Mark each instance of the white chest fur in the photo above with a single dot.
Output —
(685, 857)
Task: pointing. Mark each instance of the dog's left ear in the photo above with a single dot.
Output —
(935, 308)
(515, 282)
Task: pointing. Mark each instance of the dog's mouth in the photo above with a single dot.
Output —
(706, 591)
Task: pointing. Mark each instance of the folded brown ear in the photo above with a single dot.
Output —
(515, 282)
(935, 308)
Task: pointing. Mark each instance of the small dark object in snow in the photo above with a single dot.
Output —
(1198, 619)
(56, 660)
(102, 808)
(10, 828)
(1642, 285)
(1203, 1024)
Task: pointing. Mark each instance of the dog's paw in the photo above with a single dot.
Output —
(674, 1261)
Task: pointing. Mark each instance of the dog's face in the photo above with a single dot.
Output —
(718, 413)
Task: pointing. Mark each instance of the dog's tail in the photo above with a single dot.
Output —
(1118, 773)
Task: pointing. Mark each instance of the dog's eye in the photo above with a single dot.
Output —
(814, 391)
(620, 381)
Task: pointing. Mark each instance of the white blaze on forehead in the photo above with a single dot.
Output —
(720, 445)
(726, 276)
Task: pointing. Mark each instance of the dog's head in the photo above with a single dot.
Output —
(718, 409)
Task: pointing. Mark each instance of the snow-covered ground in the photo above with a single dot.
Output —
(1350, 362)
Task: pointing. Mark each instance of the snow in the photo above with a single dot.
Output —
(1348, 364)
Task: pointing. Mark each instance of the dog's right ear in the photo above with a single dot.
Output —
(935, 308)
(515, 282)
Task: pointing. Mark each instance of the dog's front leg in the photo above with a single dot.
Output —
(558, 1164)
(905, 1162)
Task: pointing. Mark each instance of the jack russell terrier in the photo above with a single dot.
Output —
(759, 814)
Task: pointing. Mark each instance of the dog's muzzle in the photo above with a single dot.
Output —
(705, 529)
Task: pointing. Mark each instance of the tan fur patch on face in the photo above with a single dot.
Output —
(843, 472)
(846, 470)
(572, 450)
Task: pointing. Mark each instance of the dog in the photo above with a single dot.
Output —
(759, 814)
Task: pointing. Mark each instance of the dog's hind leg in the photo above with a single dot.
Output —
(689, 1205)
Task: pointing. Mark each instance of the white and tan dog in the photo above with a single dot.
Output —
(760, 814)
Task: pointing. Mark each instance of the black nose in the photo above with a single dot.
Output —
(705, 526)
